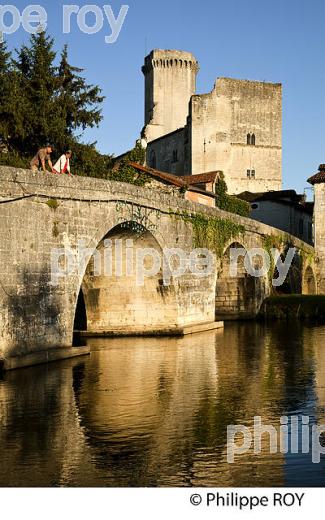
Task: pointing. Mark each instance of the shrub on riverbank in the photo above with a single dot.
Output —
(294, 307)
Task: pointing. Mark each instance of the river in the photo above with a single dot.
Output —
(155, 411)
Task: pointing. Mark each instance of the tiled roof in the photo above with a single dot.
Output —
(163, 176)
(319, 177)
(183, 181)
(201, 178)
(281, 195)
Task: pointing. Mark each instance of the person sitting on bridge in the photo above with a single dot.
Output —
(43, 155)
(63, 164)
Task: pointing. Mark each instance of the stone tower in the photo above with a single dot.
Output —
(170, 82)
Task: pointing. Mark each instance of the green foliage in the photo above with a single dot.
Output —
(41, 102)
(212, 233)
(14, 160)
(228, 202)
(77, 102)
(88, 162)
(137, 154)
(126, 173)
(294, 307)
(10, 119)
(308, 258)
(283, 243)
(273, 242)
(221, 188)
(37, 74)
(53, 204)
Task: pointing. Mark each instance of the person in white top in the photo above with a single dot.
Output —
(63, 164)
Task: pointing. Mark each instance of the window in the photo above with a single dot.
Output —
(251, 174)
(175, 156)
(251, 140)
(153, 160)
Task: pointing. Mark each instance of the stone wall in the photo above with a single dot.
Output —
(319, 231)
(220, 122)
(161, 153)
(209, 131)
(41, 213)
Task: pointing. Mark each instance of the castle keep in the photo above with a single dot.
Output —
(237, 128)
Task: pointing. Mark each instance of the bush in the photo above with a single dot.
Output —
(126, 173)
(14, 160)
(88, 162)
(230, 202)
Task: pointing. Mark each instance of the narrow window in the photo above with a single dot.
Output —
(249, 139)
(253, 140)
(248, 174)
(175, 156)
(253, 174)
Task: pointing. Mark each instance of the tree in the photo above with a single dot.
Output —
(87, 161)
(229, 202)
(78, 103)
(5, 57)
(126, 173)
(5, 97)
(41, 102)
(40, 84)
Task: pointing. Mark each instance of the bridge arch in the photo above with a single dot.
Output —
(292, 283)
(309, 285)
(122, 288)
(80, 319)
(238, 294)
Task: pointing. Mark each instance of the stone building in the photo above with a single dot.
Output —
(237, 128)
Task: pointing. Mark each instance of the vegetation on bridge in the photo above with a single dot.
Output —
(211, 232)
(283, 242)
(228, 202)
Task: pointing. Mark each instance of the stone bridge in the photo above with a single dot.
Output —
(41, 216)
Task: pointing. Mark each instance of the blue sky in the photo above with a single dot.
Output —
(278, 41)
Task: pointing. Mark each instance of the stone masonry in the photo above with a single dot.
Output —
(42, 213)
(237, 128)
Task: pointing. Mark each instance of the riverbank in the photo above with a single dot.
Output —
(291, 307)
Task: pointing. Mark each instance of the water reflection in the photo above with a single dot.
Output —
(154, 412)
